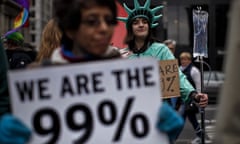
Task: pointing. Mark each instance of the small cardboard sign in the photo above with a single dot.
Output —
(169, 78)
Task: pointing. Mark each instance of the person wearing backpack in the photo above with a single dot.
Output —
(18, 55)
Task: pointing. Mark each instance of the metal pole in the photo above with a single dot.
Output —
(202, 110)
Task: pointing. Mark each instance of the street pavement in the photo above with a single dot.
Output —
(188, 134)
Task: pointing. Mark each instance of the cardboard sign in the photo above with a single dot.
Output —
(169, 78)
(103, 102)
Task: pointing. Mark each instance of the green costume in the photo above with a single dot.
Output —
(161, 52)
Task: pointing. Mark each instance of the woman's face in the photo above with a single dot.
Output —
(95, 30)
(140, 28)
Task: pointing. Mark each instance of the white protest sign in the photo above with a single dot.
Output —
(102, 102)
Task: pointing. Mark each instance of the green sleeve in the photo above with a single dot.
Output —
(163, 53)
(4, 95)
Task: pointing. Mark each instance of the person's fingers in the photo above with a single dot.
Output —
(203, 104)
(203, 101)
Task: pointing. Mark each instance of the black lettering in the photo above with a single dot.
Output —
(133, 77)
(147, 75)
(175, 68)
(162, 71)
(97, 82)
(43, 88)
(25, 90)
(66, 87)
(168, 69)
(118, 74)
(82, 82)
(162, 84)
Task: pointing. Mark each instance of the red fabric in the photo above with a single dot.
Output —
(120, 30)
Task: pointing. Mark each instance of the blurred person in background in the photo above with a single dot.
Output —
(190, 110)
(4, 94)
(228, 118)
(50, 40)
(18, 55)
(171, 44)
(12, 130)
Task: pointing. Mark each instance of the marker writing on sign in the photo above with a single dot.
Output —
(168, 69)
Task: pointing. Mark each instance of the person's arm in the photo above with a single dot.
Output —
(13, 131)
(228, 118)
(186, 89)
(188, 93)
(4, 95)
(169, 121)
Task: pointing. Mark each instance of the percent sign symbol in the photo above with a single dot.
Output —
(170, 83)
(134, 119)
(55, 128)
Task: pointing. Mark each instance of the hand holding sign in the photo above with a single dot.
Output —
(111, 105)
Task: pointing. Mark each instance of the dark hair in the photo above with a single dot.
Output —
(68, 14)
(129, 40)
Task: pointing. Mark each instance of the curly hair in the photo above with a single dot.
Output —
(50, 40)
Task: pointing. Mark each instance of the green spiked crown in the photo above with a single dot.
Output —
(141, 11)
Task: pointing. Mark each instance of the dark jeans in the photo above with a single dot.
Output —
(192, 118)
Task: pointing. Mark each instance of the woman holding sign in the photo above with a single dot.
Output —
(140, 22)
(87, 28)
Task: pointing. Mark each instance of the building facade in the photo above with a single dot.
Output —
(8, 11)
(40, 12)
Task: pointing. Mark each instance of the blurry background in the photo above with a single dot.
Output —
(176, 23)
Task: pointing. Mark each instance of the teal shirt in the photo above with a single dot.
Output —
(161, 52)
(4, 95)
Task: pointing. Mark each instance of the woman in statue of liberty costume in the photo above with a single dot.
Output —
(140, 22)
